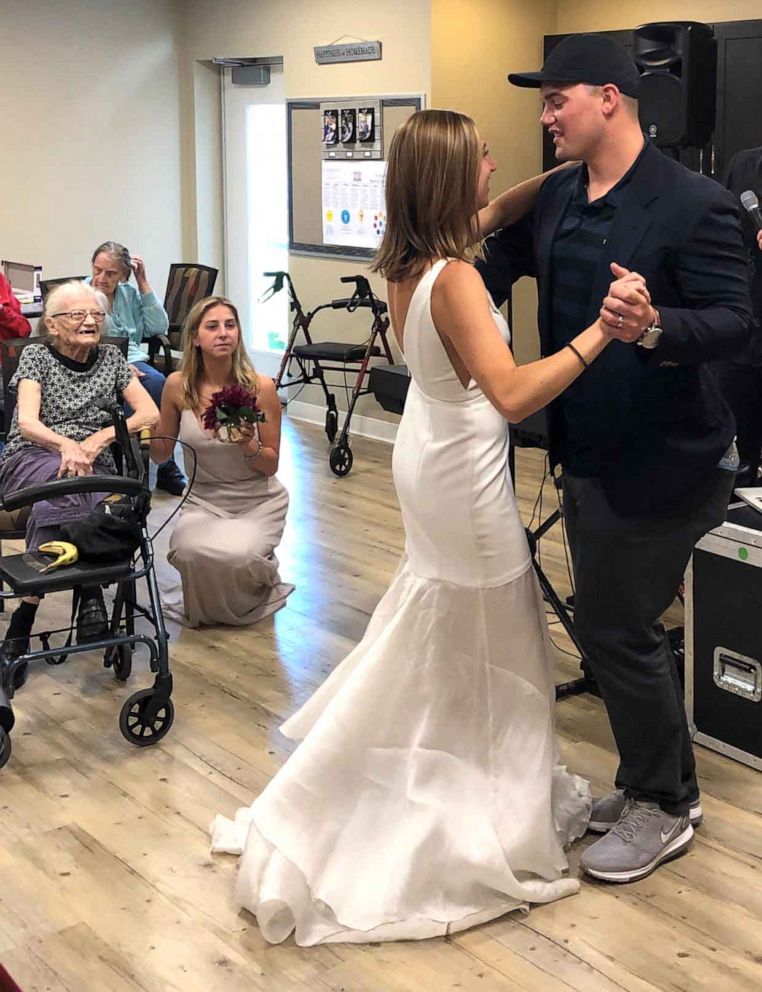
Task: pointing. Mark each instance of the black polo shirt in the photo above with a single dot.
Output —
(587, 434)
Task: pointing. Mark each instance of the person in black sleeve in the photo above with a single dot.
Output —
(740, 378)
(644, 437)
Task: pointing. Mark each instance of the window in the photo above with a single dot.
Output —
(256, 210)
(268, 221)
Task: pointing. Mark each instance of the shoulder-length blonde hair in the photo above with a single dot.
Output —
(431, 196)
(192, 365)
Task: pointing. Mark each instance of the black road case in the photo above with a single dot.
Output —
(723, 638)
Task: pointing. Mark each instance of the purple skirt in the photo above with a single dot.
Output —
(31, 467)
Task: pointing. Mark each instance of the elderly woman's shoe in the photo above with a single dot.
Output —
(92, 618)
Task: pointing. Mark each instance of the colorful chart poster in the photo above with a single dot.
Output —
(354, 208)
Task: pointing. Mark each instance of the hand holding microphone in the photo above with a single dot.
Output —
(750, 203)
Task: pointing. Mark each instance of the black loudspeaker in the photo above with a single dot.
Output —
(678, 84)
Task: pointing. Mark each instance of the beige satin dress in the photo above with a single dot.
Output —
(224, 542)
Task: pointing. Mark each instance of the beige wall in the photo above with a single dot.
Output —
(207, 134)
(90, 121)
(596, 15)
(291, 28)
(114, 115)
(475, 43)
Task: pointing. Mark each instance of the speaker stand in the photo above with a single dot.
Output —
(586, 682)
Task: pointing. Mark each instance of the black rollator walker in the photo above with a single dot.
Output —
(314, 358)
(147, 715)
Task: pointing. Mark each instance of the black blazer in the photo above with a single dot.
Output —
(681, 232)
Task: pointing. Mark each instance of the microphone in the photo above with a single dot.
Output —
(750, 203)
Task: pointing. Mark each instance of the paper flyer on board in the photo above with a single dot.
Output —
(354, 209)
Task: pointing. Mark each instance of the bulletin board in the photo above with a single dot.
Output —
(306, 227)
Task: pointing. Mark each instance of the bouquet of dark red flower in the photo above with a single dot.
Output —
(228, 409)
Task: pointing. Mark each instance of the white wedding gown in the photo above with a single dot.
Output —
(425, 796)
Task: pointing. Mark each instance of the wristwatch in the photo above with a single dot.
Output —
(652, 334)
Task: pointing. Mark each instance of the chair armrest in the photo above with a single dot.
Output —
(157, 343)
(66, 487)
(175, 335)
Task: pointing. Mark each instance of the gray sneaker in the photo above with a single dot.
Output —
(608, 809)
(642, 838)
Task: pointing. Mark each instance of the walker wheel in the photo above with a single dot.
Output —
(331, 424)
(119, 657)
(135, 725)
(5, 748)
(341, 459)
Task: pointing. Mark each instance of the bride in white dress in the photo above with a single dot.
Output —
(426, 796)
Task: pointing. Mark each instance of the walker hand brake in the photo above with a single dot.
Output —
(276, 286)
(362, 291)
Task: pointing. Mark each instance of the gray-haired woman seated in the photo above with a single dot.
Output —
(58, 430)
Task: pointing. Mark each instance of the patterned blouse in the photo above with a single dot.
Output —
(68, 391)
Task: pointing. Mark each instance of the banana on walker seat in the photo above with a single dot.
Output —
(111, 549)
(306, 363)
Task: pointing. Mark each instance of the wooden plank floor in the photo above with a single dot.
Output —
(105, 878)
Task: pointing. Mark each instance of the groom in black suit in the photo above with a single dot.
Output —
(644, 438)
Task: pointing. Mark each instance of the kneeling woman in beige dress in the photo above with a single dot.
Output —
(223, 544)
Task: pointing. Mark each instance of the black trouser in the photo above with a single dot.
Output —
(741, 387)
(626, 573)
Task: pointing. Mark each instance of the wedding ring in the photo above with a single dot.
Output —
(620, 321)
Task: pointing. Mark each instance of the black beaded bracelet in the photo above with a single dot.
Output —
(577, 353)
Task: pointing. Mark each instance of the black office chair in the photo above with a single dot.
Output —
(47, 284)
(188, 283)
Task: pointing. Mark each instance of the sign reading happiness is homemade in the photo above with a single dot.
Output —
(356, 51)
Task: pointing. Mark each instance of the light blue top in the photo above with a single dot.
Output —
(136, 316)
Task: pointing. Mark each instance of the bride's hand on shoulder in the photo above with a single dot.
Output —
(509, 207)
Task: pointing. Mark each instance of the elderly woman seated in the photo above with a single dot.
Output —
(58, 430)
(138, 314)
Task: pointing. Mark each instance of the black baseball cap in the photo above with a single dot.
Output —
(584, 58)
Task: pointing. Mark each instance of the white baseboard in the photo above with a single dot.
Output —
(378, 430)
